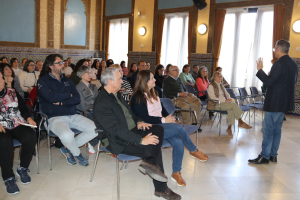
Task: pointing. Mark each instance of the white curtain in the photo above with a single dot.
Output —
(175, 40)
(118, 40)
(246, 37)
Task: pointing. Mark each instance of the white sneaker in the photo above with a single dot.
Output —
(91, 149)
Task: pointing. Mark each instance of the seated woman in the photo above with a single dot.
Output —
(126, 89)
(124, 68)
(88, 93)
(101, 69)
(95, 68)
(28, 77)
(11, 80)
(158, 75)
(186, 77)
(13, 112)
(167, 71)
(132, 69)
(146, 105)
(202, 83)
(74, 76)
(216, 91)
(15, 66)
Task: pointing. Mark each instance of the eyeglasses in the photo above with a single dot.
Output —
(32, 65)
(60, 63)
(176, 70)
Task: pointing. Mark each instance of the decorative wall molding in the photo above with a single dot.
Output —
(87, 4)
(97, 24)
(128, 15)
(37, 31)
(214, 6)
(50, 24)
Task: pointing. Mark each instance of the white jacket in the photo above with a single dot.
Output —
(28, 80)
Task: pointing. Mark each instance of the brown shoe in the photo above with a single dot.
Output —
(168, 194)
(176, 177)
(229, 132)
(244, 126)
(153, 170)
(199, 155)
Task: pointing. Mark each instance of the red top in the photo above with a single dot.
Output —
(201, 86)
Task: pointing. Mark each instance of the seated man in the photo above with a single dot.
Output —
(58, 98)
(127, 134)
(195, 72)
(173, 87)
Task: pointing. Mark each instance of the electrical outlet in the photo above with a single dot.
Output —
(297, 49)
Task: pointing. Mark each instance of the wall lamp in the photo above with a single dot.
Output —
(202, 28)
(296, 26)
(142, 31)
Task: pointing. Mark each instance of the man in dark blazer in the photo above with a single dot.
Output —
(280, 98)
(127, 134)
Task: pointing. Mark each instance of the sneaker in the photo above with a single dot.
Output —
(11, 186)
(69, 156)
(176, 177)
(81, 160)
(199, 155)
(91, 149)
(22, 173)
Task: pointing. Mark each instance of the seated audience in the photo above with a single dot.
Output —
(216, 91)
(146, 104)
(11, 80)
(195, 72)
(69, 60)
(132, 69)
(24, 60)
(39, 66)
(74, 76)
(109, 62)
(88, 93)
(67, 69)
(15, 66)
(4, 60)
(101, 69)
(126, 89)
(186, 77)
(202, 83)
(158, 75)
(124, 68)
(226, 84)
(147, 66)
(94, 71)
(14, 112)
(28, 77)
(167, 71)
(174, 87)
(127, 134)
(141, 66)
(89, 63)
(58, 98)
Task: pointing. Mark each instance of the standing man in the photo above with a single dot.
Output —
(195, 72)
(280, 98)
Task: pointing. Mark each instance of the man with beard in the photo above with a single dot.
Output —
(58, 98)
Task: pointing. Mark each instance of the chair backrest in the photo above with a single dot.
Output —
(168, 105)
(243, 93)
(254, 91)
(230, 92)
(189, 89)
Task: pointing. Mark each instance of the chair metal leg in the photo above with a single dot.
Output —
(97, 155)
(202, 118)
(197, 139)
(126, 165)
(118, 178)
(87, 151)
(220, 125)
(49, 146)
(254, 118)
(213, 120)
(37, 159)
(123, 163)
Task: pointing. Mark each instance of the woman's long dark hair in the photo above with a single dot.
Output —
(3, 65)
(121, 64)
(100, 70)
(141, 87)
(95, 63)
(25, 68)
(78, 64)
(130, 70)
(199, 75)
(158, 67)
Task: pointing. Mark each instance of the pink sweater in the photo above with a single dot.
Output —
(201, 86)
(154, 109)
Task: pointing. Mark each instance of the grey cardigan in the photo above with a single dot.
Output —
(16, 85)
(87, 95)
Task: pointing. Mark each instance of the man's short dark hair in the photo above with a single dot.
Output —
(195, 66)
(140, 62)
(284, 46)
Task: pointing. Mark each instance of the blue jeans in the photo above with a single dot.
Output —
(176, 135)
(271, 133)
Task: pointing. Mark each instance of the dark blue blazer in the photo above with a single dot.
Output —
(281, 82)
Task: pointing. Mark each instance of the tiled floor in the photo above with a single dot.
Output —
(227, 174)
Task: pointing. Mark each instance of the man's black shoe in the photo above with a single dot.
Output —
(153, 170)
(273, 159)
(168, 194)
(259, 160)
